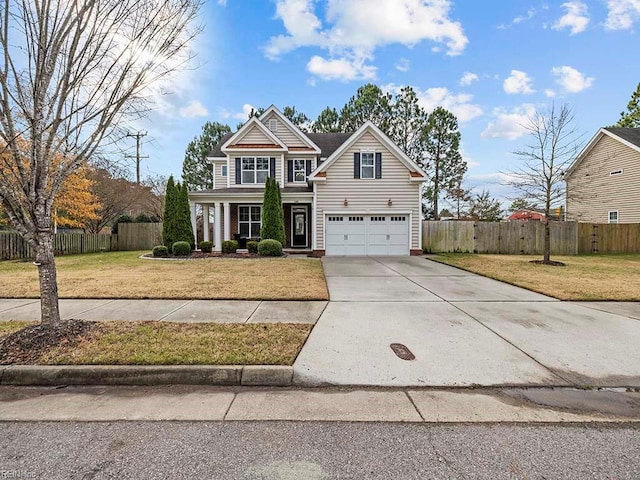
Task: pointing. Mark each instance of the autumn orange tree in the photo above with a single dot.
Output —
(72, 74)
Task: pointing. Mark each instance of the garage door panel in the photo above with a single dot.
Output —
(367, 235)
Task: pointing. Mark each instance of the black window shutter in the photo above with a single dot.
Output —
(289, 171)
(272, 167)
(308, 167)
(356, 165)
(238, 171)
(378, 165)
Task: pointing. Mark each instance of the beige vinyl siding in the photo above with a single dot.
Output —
(368, 195)
(218, 180)
(255, 136)
(592, 191)
(250, 153)
(292, 156)
(283, 132)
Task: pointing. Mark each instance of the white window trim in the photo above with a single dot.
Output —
(304, 170)
(372, 166)
(255, 170)
(224, 171)
(617, 212)
(259, 222)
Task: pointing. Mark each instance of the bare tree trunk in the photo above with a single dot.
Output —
(547, 241)
(50, 311)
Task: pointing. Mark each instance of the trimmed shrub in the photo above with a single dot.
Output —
(160, 251)
(206, 246)
(229, 246)
(270, 248)
(252, 246)
(181, 249)
(144, 218)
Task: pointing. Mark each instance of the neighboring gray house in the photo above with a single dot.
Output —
(343, 193)
(603, 183)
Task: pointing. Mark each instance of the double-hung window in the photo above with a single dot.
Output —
(249, 221)
(255, 169)
(299, 171)
(223, 171)
(613, 216)
(367, 165)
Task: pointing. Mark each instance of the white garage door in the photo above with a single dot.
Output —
(367, 235)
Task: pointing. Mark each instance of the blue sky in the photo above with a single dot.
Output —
(492, 63)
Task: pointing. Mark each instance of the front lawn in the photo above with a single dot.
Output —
(124, 275)
(152, 343)
(585, 277)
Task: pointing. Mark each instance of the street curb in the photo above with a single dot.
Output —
(147, 375)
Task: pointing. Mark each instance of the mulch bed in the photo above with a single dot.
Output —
(552, 263)
(198, 254)
(26, 346)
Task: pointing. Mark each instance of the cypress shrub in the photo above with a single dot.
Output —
(272, 213)
(183, 228)
(168, 225)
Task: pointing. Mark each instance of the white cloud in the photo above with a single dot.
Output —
(509, 124)
(402, 65)
(550, 93)
(468, 78)
(340, 69)
(518, 82)
(353, 30)
(576, 18)
(622, 14)
(194, 109)
(459, 104)
(519, 19)
(571, 80)
(242, 115)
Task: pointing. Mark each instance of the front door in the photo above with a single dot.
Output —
(299, 227)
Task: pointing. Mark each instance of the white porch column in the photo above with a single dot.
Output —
(217, 218)
(194, 225)
(205, 222)
(227, 221)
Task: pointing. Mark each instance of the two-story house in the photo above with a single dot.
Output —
(603, 183)
(343, 193)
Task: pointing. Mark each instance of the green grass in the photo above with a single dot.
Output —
(125, 275)
(584, 277)
(164, 343)
(7, 328)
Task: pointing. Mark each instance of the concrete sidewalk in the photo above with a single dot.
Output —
(182, 403)
(192, 311)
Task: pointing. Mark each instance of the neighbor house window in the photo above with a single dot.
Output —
(223, 171)
(255, 169)
(299, 171)
(249, 221)
(613, 216)
(367, 169)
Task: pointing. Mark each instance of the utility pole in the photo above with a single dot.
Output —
(137, 156)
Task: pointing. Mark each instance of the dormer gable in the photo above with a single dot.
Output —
(253, 135)
(287, 132)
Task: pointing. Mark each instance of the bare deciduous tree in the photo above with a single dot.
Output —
(554, 145)
(71, 72)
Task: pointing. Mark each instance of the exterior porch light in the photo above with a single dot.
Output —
(345, 202)
(389, 202)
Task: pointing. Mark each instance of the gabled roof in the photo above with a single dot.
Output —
(217, 150)
(296, 131)
(382, 138)
(329, 142)
(627, 136)
(253, 122)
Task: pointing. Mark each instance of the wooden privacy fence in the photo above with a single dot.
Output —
(12, 246)
(498, 237)
(567, 238)
(139, 236)
(609, 237)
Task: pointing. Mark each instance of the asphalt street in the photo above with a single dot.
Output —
(314, 451)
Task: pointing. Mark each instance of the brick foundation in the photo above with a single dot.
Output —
(415, 252)
(317, 253)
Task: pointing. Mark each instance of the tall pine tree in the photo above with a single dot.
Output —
(369, 103)
(631, 118)
(197, 172)
(442, 161)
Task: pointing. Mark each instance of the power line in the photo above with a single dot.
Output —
(138, 136)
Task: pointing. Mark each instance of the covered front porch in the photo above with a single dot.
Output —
(236, 213)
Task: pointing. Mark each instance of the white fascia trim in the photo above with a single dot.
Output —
(297, 132)
(381, 137)
(215, 159)
(253, 121)
(592, 143)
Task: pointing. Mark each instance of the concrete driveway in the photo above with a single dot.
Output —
(463, 330)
